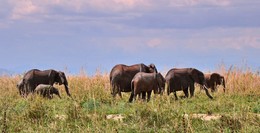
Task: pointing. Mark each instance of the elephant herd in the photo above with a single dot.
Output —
(139, 79)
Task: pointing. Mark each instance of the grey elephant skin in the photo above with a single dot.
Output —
(178, 79)
(47, 91)
(121, 76)
(213, 80)
(146, 83)
(35, 77)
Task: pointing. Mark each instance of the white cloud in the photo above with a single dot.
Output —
(156, 42)
(224, 39)
(183, 3)
(22, 8)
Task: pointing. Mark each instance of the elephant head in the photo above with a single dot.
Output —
(60, 78)
(152, 69)
(197, 76)
(217, 79)
(160, 82)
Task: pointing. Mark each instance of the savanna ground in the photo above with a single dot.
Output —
(238, 109)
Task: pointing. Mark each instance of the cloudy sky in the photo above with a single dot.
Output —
(97, 34)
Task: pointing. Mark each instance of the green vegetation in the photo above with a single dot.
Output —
(239, 108)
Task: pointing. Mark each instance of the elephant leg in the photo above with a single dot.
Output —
(192, 88)
(149, 95)
(176, 98)
(131, 97)
(28, 89)
(119, 92)
(139, 96)
(143, 95)
(212, 89)
(186, 92)
(215, 88)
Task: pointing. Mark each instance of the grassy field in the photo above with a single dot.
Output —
(237, 110)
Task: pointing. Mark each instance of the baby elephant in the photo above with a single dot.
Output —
(145, 83)
(46, 91)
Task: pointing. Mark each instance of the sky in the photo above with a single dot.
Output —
(95, 35)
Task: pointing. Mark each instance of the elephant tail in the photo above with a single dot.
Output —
(132, 92)
(112, 85)
(132, 86)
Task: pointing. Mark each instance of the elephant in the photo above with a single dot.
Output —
(35, 77)
(213, 80)
(178, 79)
(46, 91)
(22, 87)
(121, 76)
(145, 83)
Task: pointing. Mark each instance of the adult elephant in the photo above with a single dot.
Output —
(184, 79)
(213, 80)
(35, 77)
(121, 76)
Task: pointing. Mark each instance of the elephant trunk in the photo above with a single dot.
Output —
(59, 96)
(162, 90)
(67, 90)
(207, 92)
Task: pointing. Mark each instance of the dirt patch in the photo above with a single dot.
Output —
(116, 117)
(204, 117)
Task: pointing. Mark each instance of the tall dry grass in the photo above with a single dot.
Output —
(241, 80)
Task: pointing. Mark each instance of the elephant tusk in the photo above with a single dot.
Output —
(205, 87)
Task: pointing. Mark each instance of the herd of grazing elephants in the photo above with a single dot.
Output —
(139, 79)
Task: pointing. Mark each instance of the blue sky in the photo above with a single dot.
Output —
(97, 34)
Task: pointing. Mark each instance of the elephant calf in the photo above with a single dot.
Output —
(46, 91)
(145, 83)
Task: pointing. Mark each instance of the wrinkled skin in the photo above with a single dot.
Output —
(122, 75)
(46, 91)
(35, 77)
(184, 79)
(146, 83)
(213, 80)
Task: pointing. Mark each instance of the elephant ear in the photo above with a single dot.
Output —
(63, 78)
(213, 77)
(216, 78)
(198, 76)
(52, 76)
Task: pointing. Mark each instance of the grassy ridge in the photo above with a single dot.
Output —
(239, 108)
